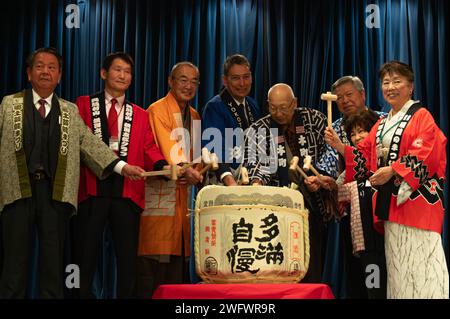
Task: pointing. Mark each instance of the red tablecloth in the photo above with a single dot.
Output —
(244, 291)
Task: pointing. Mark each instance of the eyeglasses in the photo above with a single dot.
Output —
(281, 108)
(185, 82)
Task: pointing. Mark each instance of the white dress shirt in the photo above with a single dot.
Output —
(48, 102)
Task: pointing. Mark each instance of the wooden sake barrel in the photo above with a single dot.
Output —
(255, 234)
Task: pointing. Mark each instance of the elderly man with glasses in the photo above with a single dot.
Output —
(165, 230)
(273, 141)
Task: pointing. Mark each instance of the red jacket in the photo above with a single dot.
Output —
(142, 151)
(422, 155)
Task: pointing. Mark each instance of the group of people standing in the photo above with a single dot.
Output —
(87, 160)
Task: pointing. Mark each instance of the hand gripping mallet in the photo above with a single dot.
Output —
(173, 172)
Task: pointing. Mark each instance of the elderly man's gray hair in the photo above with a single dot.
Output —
(356, 81)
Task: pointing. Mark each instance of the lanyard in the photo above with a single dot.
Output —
(383, 134)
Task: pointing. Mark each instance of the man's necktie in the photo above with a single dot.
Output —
(112, 120)
(243, 113)
(41, 109)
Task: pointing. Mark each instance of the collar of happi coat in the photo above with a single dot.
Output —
(394, 147)
(239, 115)
(281, 146)
(18, 122)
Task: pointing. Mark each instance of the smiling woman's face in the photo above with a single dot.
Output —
(397, 90)
(358, 134)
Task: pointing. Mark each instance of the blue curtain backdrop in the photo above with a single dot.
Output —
(307, 44)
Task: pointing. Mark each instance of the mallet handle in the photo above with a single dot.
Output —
(329, 113)
(319, 176)
(204, 169)
(302, 172)
(157, 173)
(172, 172)
(314, 171)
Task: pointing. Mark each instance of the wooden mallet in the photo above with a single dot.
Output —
(211, 161)
(244, 176)
(172, 172)
(294, 167)
(329, 98)
(307, 165)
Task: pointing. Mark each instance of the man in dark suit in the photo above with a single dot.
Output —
(43, 139)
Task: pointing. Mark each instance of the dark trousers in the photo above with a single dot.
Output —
(354, 273)
(153, 273)
(18, 220)
(355, 268)
(376, 258)
(123, 216)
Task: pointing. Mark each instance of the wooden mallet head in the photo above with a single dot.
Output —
(210, 159)
(244, 176)
(294, 166)
(294, 163)
(206, 156)
(214, 161)
(329, 98)
(307, 163)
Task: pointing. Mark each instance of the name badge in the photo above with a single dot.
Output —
(114, 143)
